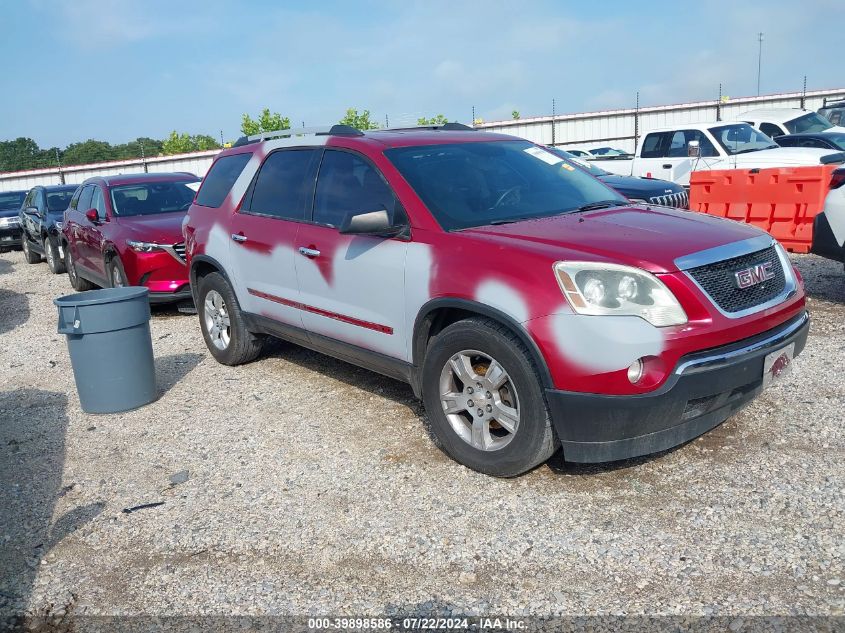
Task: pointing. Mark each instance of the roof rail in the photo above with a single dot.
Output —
(444, 126)
(334, 130)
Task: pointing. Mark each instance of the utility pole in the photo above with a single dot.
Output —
(143, 157)
(759, 60)
(553, 122)
(59, 163)
(473, 116)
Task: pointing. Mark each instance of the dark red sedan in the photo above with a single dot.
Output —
(127, 231)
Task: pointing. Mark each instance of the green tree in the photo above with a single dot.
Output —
(437, 119)
(90, 151)
(515, 115)
(266, 122)
(358, 121)
(183, 143)
(21, 153)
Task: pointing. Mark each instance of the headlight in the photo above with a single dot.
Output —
(10, 221)
(143, 247)
(610, 289)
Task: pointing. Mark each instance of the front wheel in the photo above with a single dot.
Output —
(54, 260)
(485, 399)
(222, 323)
(29, 255)
(78, 283)
(117, 277)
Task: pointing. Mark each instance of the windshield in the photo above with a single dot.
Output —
(810, 122)
(152, 197)
(739, 138)
(58, 201)
(583, 164)
(480, 183)
(11, 200)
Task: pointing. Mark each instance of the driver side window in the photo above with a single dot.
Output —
(348, 184)
(98, 203)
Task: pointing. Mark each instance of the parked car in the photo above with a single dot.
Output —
(127, 231)
(834, 112)
(606, 152)
(822, 140)
(528, 304)
(10, 231)
(673, 153)
(579, 153)
(647, 190)
(41, 224)
(829, 225)
(778, 121)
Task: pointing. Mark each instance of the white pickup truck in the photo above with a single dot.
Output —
(774, 122)
(672, 153)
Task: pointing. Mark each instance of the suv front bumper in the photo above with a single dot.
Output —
(10, 237)
(703, 391)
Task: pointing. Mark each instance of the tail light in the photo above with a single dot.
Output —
(837, 179)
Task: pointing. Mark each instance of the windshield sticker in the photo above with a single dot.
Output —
(543, 155)
(568, 167)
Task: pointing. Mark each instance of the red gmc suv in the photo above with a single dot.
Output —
(127, 231)
(528, 304)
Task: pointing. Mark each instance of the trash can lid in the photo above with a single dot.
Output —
(104, 295)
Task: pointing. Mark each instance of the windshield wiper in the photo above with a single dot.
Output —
(601, 204)
(504, 221)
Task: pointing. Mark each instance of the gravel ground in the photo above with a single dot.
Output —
(312, 487)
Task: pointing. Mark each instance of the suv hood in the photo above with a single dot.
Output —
(163, 228)
(648, 238)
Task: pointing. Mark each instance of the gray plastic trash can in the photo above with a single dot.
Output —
(111, 351)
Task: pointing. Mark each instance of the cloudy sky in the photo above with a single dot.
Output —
(118, 69)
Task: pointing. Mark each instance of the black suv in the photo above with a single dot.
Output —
(10, 231)
(41, 224)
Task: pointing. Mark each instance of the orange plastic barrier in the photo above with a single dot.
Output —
(781, 200)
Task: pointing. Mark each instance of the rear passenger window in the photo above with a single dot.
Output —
(771, 130)
(284, 185)
(220, 178)
(348, 184)
(653, 145)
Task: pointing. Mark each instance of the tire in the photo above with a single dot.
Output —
(55, 263)
(28, 254)
(498, 451)
(78, 283)
(117, 276)
(232, 343)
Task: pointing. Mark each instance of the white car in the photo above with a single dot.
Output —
(779, 121)
(673, 153)
(829, 225)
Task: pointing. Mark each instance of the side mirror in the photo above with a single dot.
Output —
(370, 223)
(92, 216)
(693, 149)
(32, 211)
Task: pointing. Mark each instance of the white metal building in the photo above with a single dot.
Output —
(621, 128)
(195, 163)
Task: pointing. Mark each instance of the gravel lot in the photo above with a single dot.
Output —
(313, 488)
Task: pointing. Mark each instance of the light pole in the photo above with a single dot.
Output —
(759, 60)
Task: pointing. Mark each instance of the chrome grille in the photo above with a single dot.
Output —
(679, 200)
(718, 281)
(179, 249)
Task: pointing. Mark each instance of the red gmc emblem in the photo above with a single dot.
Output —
(748, 277)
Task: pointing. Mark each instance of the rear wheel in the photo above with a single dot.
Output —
(54, 260)
(222, 323)
(79, 284)
(485, 399)
(29, 255)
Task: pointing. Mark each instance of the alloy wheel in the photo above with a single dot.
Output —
(116, 277)
(216, 317)
(479, 400)
(48, 251)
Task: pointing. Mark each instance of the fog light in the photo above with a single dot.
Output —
(635, 371)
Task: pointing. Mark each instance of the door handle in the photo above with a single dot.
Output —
(667, 165)
(239, 238)
(309, 252)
